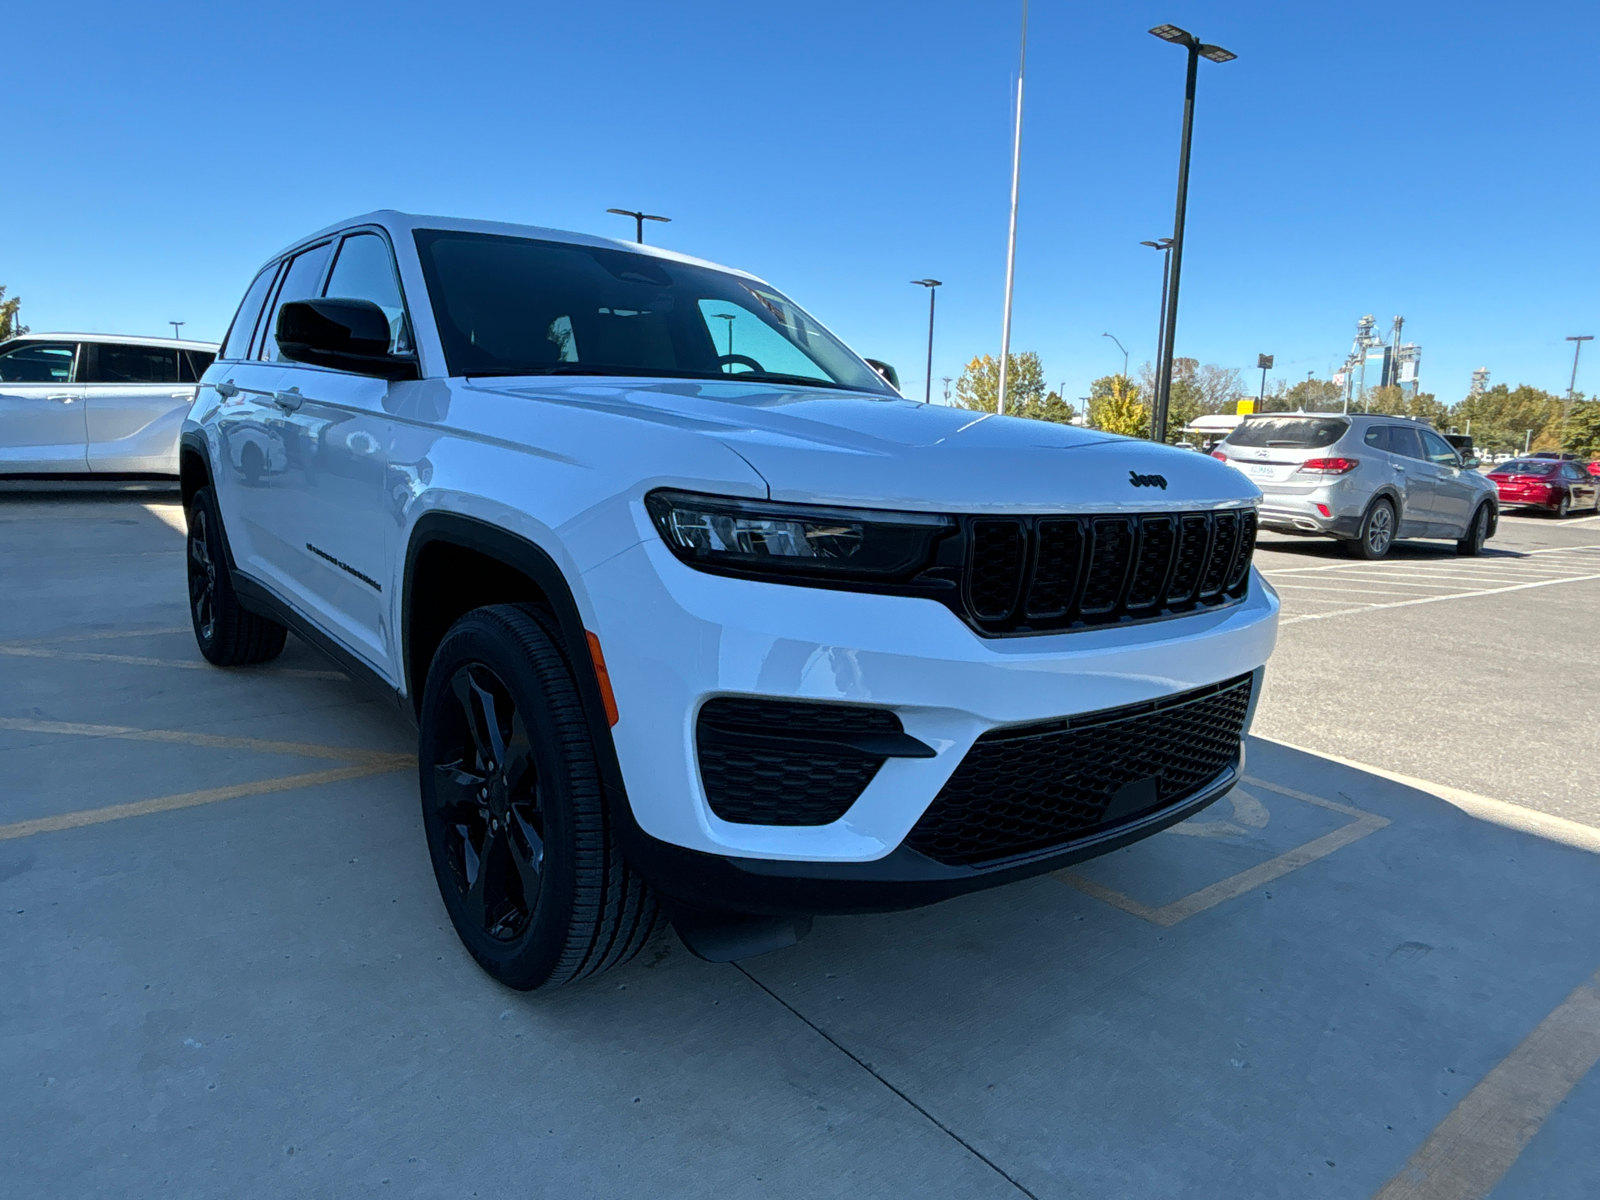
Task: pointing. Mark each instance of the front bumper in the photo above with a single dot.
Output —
(675, 637)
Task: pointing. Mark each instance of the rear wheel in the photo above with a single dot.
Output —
(1564, 505)
(1477, 533)
(1377, 531)
(527, 863)
(228, 634)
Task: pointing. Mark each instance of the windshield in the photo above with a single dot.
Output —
(520, 306)
(1294, 433)
(1527, 466)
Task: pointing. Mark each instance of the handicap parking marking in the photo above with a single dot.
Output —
(358, 762)
(1471, 1150)
(1361, 824)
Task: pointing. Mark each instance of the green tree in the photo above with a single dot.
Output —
(1051, 408)
(1397, 402)
(1503, 419)
(8, 317)
(979, 385)
(1196, 390)
(1309, 395)
(1583, 429)
(1115, 406)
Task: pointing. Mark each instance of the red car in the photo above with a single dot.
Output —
(1547, 483)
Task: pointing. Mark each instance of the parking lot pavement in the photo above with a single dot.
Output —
(228, 973)
(1474, 673)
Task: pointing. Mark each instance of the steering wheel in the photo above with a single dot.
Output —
(742, 359)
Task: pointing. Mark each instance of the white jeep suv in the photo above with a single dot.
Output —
(696, 614)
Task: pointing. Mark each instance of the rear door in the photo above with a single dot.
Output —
(1583, 486)
(41, 410)
(1453, 493)
(1416, 515)
(134, 405)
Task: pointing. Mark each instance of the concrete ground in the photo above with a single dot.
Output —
(227, 970)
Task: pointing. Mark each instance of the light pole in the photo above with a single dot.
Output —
(639, 218)
(1124, 350)
(932, 285)
(1165, 246)
(176, 336)
(730, 318)
(1577, 347)
(1264, 361)
(1197, 50)
(947, 379)
(1011, 242)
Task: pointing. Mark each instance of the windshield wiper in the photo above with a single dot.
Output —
(803, 380)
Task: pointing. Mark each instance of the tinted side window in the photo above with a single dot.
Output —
(300, 282)
(110, 362)
(1404, 441)
(237, 343)
(1378, 438)
(38, 362)
(192, 364)
(1438, 450)
(364, 270)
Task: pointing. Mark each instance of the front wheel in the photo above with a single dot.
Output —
(522, 845)
(1377, 532)
(1477, 533)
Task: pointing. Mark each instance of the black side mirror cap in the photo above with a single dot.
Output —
(347, 335)
(888, 372)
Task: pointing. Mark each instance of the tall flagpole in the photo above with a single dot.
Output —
(1011, 247)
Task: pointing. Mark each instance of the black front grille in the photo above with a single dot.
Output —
(774, 762)
(1040, 574)
(1032, 787)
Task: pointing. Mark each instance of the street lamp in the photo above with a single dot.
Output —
(932, 285)
(176, 336)
(1165, 246)
(1577, 347)
(1264, 361)
(730, 318)
(1011, 241)
(1124, 350)
(1197, 50)
(639, 218)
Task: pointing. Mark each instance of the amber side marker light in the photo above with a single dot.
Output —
(603, 677)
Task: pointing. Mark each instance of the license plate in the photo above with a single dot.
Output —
(1261, 471)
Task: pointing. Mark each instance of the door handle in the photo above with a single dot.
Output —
(65, 398)
(288, 401)
(227, 389)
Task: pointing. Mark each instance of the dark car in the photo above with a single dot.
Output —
(1551, 484)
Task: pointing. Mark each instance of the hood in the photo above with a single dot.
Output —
(866, 451)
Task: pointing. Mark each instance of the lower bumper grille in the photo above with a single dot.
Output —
(774, 762)
(1032, 787)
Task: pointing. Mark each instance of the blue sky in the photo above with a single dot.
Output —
(1430, 159)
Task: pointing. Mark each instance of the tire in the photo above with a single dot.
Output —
(522, 846)
(1477, 533)
(1377, 531)
(1564, 508)
(229, 635)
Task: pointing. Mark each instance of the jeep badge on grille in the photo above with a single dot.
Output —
(1139, 480)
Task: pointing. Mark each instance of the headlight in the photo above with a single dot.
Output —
(758, 538)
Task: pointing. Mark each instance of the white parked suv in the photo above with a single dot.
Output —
(694, 612)
(95, 404)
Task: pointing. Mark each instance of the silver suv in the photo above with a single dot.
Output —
(1362, 478)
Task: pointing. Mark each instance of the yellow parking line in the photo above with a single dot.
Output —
(386, 759)
(1248, 880)
(140, 808)
(137, 660)
(1473, 1147)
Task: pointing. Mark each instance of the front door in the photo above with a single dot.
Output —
(1453, 493)
(133, 407)
(41, 410)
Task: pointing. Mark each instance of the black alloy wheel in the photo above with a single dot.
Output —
(521, 840)
(487, 797)
(228, 634)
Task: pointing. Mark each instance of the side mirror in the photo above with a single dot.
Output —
(1471, 464)
(347, 335)
(889, 373)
